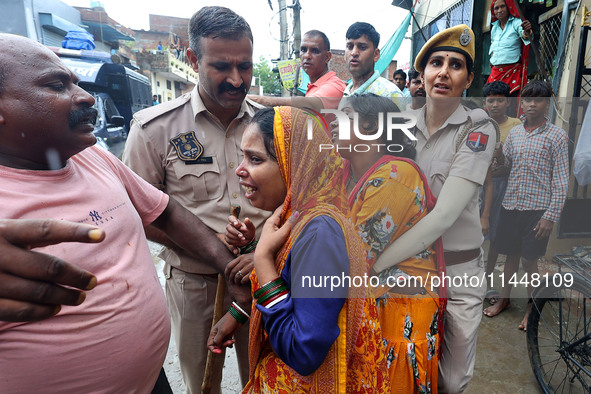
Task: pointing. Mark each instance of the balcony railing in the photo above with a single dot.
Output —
(166, 62)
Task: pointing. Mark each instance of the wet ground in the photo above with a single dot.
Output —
(502, 361)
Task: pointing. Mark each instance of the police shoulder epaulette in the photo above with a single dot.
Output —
(145, 116)
(476, 119)
(254, 104)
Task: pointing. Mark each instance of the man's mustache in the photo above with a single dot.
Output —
(86, 115)
(228, 87)
(422, 91)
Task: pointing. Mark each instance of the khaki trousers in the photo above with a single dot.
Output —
(191, 298)
(463, 315)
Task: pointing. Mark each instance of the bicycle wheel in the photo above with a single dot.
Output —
(559, 338)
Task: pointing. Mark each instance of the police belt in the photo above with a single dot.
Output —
(409, 289)
(453, 258)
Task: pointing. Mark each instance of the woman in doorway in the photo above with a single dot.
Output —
(509, 47)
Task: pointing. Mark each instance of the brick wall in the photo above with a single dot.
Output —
(392, 67)
(148, 40)
(338, 64)
(171, 24)
(156, 62)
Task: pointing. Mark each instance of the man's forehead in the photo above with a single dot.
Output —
(363, 38)
(47, 63)
(214, 40)
(13, 45)
(219, 48)
(313, 41)
(35, 59)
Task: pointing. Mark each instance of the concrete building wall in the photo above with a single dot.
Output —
(168, 89)
(565, 98)
(162, 87)
(22, 16)
(13, 18)
(392, 67)
(59, 8)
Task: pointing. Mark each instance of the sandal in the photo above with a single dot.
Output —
(492, 296)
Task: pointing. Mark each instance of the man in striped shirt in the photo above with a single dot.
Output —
(538, 153)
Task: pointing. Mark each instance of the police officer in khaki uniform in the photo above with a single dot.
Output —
(455, 147)
(190, 148)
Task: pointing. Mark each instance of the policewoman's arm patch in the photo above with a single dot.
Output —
(477, 141)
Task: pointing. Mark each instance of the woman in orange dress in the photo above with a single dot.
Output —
(387, 196)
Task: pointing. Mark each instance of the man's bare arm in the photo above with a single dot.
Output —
(190, 233)
(298, 101)
(156, 235)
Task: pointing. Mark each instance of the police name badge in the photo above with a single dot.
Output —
(188, 148)
(465, 38)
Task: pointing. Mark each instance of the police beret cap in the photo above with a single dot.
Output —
(459, 39)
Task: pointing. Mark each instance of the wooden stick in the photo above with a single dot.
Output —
(220, 294)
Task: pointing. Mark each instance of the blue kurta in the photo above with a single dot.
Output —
(302, 329)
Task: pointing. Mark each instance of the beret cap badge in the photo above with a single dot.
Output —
(465, 38)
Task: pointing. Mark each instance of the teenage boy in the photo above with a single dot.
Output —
(537, 151)
(496, 101)
(361, 55)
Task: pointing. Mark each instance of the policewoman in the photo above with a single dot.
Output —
(455, 147)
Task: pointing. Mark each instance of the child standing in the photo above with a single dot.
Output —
(537, 187)
(496, 101)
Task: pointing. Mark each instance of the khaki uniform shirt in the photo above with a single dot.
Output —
(439, 158)
(184, 150)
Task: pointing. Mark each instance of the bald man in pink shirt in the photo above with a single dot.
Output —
(107, 330)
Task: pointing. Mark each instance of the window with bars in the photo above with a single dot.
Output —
(548, 45)
(583, 55)
(457, 14)
(586, 86)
